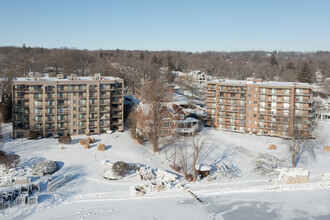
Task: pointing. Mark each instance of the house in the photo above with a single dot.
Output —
(174, 120)
(322, 108)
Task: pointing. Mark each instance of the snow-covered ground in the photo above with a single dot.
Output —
(90, 196)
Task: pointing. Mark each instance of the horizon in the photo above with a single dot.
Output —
(184, 26)
(151, 51)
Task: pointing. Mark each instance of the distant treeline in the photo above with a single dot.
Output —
(135, 66)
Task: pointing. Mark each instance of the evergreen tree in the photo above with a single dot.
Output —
(290, 66)
(273, 60)
(305, 74)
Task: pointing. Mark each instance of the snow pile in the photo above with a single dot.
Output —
(45, 167)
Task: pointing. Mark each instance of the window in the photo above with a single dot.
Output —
(255, 102)
(256, 89)
(255, 96)
(167, 122)
(249, 95)
(102, 86)
(249, 88)
(249, 101)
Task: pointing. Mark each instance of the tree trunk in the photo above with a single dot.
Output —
(294, 153)
(194, 169)
(155, 146)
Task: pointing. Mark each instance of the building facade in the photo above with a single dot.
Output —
(73, 105)
(173, 121)
(265, 108)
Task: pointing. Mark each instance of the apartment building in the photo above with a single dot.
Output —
(254, 106)
(67, 105)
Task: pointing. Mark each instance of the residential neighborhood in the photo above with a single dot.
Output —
(188, 110)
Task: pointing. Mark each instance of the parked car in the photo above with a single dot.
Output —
(56, 136)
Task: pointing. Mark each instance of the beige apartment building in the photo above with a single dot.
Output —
(72, 105)
(254, 106)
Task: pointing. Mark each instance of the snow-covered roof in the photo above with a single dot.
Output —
(268, 83)
(188, 120)
(27, 79)
(203, 167)
(173, 107)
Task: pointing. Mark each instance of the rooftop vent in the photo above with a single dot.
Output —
(97, 76)
(73, 77)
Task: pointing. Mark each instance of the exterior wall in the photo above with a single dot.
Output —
(142, 125)
(67, 106)
(259, 108)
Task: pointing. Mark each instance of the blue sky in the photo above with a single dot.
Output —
(186, 25)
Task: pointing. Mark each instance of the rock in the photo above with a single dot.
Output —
(45, 167)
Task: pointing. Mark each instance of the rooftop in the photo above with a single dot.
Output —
(268, 83)
(69, 78)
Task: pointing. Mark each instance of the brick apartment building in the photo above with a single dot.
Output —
(254, 106)
(67, 105)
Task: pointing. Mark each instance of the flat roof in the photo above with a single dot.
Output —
(267, 83)
(78, 78)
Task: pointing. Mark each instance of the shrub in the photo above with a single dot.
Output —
(9, 160)
(120, 168)
(189, 177)
(65, 139)
(82, 142)
(33, 134)
(92, 140)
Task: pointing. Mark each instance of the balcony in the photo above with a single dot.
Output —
(236, 98)
(49, 89)
(21, 89)
(211, 87)
(303, 100)
(117, 116)
(62, 97)
(25, 97)
(232, 91)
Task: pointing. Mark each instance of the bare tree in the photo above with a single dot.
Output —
(183, 160)
(301, 138)
(198, 144)
(156, 95)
